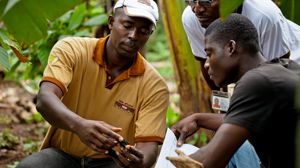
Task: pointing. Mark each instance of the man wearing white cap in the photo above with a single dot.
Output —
(97, 93)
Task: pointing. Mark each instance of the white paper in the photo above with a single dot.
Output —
(168, 149)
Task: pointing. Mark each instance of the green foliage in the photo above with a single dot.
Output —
(35, 118)
(7, 139)
(227, 8)
(30, 146)
(13, 165)
(28, 20)
(5, 119)
(157, 50)
(5, 41)
(203, 138)
(3, 5)
(4, 59)
(198, 138)
(97, 20)
(6, 44)
(194, 140)
(158, 53)
(77, 17)
(290, 9)
(76, 22)
(172, 117)
(38, 22)
(166, 71)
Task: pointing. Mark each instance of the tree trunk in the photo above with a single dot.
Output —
(193, 90)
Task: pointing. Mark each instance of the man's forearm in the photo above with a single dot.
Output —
(49, 104)
(150, 152)
(226, 141)
(209, 120)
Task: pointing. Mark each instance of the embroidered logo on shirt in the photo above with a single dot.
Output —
(53, 59)
(124, 106)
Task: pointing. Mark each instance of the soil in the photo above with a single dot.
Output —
(21, 128)
(18, 119)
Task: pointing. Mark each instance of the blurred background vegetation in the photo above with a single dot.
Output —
(29, 29)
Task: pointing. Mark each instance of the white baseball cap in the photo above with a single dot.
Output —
(139, 8)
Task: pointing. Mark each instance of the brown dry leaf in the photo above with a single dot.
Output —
(20, 56)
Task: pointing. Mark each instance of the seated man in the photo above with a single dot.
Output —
(262, 105)
(194, 26)
(97, 92)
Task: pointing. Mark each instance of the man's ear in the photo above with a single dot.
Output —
(231, 47)
(111, 20)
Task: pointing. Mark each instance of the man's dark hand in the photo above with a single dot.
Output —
(130, 157)
(98, 135)
(183, 161)
(185, 128)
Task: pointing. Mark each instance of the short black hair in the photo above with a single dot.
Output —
(235, 27)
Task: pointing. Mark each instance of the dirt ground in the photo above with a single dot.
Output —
(21, 127)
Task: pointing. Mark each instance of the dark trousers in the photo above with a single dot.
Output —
(55, 158)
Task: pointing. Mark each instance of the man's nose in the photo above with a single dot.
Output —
(198, 8)
(133, 33)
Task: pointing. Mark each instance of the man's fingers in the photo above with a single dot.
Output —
(96, 148)
(130, 156)
(122, 159)
(115, 129)
(134, 151)
(177, 133)
(101, 140)
(182, 137)
(172, 158)
(184, 162)
(110, 131)
(179, 152)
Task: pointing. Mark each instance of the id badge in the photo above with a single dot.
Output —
(220, 100)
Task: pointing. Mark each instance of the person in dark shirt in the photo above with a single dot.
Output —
(261, 109)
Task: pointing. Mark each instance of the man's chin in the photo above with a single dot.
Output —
(204, 25)
(220, 84)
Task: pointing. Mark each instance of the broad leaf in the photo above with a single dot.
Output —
(52, 9)
(227, 7)
(83, 33)
(27, 21)
(97, 20)
(290, 9)
(3, 4)
(77, 17)
(8, 44)
(9, 5)
(27, 28)
(43, 55)
(5, 40)
(98, 10)
(4, 62)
